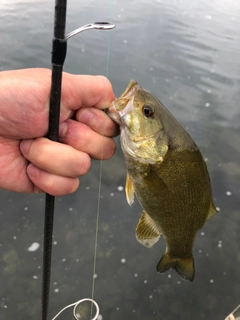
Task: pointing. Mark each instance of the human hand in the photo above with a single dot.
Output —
(31, 163)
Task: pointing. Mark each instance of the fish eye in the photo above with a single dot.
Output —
(147, 110)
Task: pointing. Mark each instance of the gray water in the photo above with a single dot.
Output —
(187, 54)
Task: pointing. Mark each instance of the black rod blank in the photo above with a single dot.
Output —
(59, 49)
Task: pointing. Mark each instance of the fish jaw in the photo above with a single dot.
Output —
(116, 112)
(121, 106)
(113, 114)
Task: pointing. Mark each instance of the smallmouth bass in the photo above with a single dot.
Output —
(168, 174)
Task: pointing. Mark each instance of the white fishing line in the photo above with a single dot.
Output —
(76, 304)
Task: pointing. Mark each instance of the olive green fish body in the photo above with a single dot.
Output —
(167, 173)
(163, 192)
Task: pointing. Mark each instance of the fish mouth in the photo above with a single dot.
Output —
(130, 90)
(120, 106)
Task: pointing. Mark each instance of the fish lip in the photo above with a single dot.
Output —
(130, 90)
(115, 114)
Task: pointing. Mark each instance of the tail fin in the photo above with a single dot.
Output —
(183, 266)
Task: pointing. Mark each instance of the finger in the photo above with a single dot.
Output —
(50, 183)
(83, 138)
(85, 91)
(77, 91)
(98, 121)
(55, 157)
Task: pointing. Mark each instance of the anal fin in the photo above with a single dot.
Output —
(146, 232)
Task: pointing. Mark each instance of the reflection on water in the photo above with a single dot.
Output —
(186, 53)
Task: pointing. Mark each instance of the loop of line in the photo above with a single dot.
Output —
(76, 304)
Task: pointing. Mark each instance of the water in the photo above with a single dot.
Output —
(185, 52)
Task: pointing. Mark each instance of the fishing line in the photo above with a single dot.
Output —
(76, 305)
(100, 172)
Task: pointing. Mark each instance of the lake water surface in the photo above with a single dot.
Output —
(186, 52)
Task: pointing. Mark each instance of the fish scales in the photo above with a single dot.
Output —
(172, 216)
(167, 173)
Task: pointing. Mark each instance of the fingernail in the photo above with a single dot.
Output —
(32, 170)
(25, 145)
(62, 129)
(86, 116)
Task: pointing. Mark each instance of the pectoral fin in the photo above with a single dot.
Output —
(212, 210)
(129, 189)
(146, 232)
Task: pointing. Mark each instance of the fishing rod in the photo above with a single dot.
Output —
(59, 51)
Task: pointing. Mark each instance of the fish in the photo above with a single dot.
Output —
(168, 175)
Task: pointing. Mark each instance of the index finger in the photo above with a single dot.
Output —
(86, 91)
